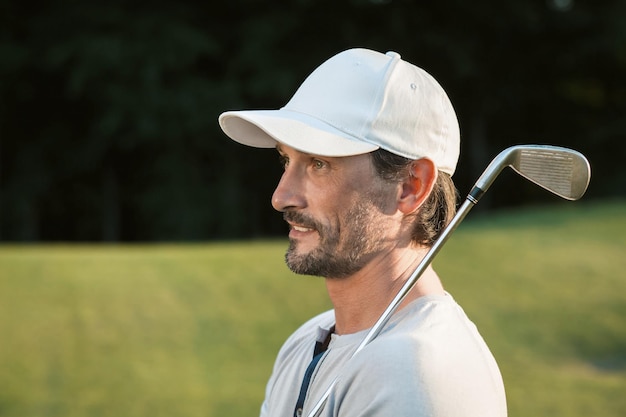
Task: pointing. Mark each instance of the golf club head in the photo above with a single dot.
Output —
(561, 171)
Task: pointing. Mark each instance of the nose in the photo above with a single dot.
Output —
(288, 194)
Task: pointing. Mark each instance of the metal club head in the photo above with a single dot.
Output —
(561, 171)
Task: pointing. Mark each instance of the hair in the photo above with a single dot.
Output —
(438, 209)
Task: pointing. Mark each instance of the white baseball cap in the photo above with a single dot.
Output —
(354, 103)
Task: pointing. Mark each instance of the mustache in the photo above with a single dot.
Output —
(302, 220)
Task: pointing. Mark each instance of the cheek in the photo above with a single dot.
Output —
(381, 198)
(329, 198)
(338, 201)
(337, 211)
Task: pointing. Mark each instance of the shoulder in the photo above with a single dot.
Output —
(418, 337)
(432, 333)
(430, 357)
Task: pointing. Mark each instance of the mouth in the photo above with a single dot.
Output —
(299, 232)
(300, 229)
(299, 226)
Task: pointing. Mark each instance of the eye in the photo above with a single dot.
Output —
(284, 161)
(318, 164)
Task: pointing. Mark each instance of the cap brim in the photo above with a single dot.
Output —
(266, 128)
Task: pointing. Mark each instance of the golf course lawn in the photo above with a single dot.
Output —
(192, 330)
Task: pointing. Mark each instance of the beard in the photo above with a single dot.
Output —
(344, 248)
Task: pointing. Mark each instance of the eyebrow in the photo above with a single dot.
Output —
(279, 148)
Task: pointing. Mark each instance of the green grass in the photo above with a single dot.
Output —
(192, 330)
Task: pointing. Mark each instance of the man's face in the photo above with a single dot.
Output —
(338, 210)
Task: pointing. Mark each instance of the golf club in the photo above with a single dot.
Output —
(561, 171)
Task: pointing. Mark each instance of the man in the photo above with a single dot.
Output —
(369, 143)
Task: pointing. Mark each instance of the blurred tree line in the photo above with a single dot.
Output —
(108, 109)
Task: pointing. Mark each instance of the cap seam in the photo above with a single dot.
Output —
(391, 66)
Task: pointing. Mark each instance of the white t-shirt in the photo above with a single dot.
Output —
(429, 360)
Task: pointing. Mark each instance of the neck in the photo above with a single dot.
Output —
(359, 300)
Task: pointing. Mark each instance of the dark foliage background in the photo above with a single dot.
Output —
(108, 109)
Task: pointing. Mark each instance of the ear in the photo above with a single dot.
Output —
(418, 185)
